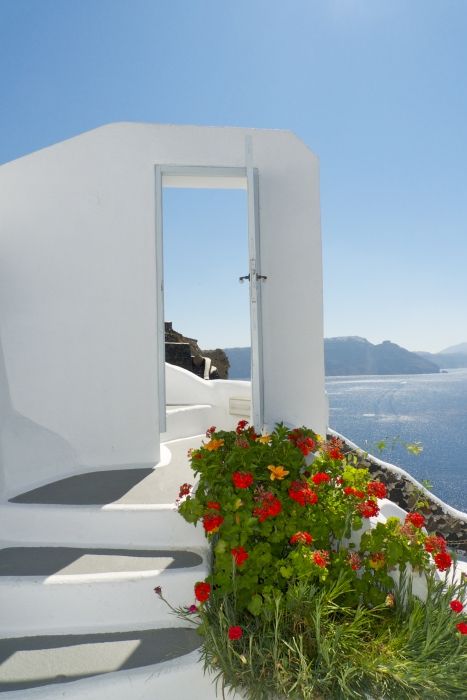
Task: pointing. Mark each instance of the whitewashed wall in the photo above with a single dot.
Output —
(78, 287)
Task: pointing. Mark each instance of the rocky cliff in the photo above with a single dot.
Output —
(218, 356)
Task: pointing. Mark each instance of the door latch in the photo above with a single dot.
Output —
(247, 277)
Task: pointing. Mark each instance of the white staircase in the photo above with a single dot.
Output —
(80, 560)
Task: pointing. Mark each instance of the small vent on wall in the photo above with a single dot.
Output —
(239, 406)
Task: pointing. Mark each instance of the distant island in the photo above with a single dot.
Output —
(354, 355)
(450, 358)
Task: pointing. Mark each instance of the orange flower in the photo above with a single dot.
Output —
(278, 473)
(377, 560)
(213, 445)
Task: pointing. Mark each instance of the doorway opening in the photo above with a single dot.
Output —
(205, 253)
(207, 237)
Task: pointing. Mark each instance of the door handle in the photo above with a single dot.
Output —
(247, 277)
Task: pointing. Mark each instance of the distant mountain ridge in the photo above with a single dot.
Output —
(446, 360)
(460, 349)
(352, 355)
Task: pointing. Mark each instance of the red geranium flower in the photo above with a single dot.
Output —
(212, 523)
(376, 488)
(351, 491)
(269, 506)
(320, 478)
(321, 558)
(301, 538)
(302, 442)
(335, 453)
(443, 561)
(368, 509)
(416, 519)
(213, 505)
(333, 448)
(210, 431)
(241, 425)
(354, 560)
(184, 490)
(235, 632)
(435, 544)
(462, 627)
(456, 606)
(240, 555)
(202, 591)
(300, 491)
(242, 480)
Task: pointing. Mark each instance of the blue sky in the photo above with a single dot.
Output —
(376, 88)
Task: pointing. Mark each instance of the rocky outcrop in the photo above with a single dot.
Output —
(218, 356)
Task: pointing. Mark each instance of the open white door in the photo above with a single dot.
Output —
(256, 281)
(160, 359)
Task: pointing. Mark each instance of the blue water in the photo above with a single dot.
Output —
(428, 408)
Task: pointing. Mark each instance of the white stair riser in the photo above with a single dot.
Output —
(171, 680)
(140, 527)
(192, 420)
(29, 605)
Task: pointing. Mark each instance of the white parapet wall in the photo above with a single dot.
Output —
(227, 401)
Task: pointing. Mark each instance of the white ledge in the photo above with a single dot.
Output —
(448, 510)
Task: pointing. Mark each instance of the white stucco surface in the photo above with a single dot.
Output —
(78, 288)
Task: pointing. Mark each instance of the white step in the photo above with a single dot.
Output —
(108, 507)
(189, 419)
(75, 589)
(137, 526)
(134, 665)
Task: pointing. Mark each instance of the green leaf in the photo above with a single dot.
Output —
(414, 447)
(255, 604)
(220, 547)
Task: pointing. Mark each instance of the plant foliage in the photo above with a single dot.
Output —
(308, 593)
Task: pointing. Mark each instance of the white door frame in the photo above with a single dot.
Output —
(190, 176)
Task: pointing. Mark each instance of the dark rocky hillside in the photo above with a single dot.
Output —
(218, 356)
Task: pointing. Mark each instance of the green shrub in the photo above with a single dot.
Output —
(302, 600)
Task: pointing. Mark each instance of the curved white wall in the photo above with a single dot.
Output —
(77, 325)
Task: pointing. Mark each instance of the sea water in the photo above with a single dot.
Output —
(405, 409)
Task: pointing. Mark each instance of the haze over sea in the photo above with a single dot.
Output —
(426, 408)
